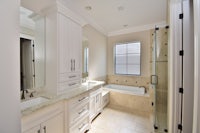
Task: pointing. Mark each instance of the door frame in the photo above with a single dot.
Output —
(196, 116)
(174, 65)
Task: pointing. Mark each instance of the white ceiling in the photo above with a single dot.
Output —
(111, 16)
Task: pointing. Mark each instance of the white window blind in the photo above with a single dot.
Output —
(127, 58)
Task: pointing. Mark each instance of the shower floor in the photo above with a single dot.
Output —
(118, 121)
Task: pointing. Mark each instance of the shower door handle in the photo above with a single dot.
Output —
(154, 79)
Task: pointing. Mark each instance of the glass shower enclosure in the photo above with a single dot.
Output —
(159, 77)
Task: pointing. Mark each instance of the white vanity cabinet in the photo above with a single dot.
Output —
(52, 125)
(46, 120)
(95, 103)
(77, 114)
(63, 52)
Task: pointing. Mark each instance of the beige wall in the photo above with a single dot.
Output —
(144, 78)
(97, 44)
(143, 37)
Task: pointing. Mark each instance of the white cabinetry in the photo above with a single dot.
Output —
(70, 46)
(52, 125)
(47, 120)
(77, 114)
(95, 103)
(105, 98)
(63, 53)
(35, 129)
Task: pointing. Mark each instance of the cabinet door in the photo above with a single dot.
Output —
(33, 130)
(64, 42)
(70, 44)
(76, 36)
(98, 102)
(54, 125)
(92, 107)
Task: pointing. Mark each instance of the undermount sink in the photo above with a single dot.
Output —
(33, 102)
(88, 83)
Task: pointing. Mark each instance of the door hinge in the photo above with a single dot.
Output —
(181, 90)
(181, 52)
(181, 16)
(180, 127)
(157, 28)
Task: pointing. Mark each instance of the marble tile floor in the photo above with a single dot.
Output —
(118, 121)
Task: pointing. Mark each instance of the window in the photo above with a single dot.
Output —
(127, 58)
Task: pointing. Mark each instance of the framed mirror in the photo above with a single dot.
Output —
(85, 58)
(32, 49)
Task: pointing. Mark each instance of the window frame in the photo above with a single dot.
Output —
(125, 43)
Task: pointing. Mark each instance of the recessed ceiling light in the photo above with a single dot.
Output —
(88, 8)
(120, 8)
(125, 25)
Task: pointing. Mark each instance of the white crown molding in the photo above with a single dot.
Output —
(70, 14)
(137, 29)
(27, 24)
(86, 18)
(61, 8)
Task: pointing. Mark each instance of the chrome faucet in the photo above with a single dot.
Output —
(23, 94)
(31, 95)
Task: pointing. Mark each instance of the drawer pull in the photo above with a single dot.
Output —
(81, 127)
(81, 111)
(71, 65)
(73, 76)
(82, 99)
(72, 84)
(38, 131)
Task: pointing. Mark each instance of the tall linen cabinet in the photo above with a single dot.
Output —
(63, 51)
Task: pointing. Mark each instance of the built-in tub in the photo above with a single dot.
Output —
(130, 98)
(126, 89)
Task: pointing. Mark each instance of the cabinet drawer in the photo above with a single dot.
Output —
(63, 77)
(78, 100)
(65, 86)
(81, 127)
(77, 113)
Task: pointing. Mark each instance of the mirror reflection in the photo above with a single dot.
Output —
(85, 60)
(32, 49)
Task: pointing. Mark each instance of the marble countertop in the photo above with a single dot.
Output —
(84, 88)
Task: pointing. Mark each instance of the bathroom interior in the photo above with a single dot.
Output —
(77, 77)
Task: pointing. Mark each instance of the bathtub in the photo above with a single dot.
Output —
(126, 89)
(129, 98)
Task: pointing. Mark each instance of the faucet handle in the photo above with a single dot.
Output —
(31, 95)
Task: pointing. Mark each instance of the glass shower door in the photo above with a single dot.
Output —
(159, 78)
